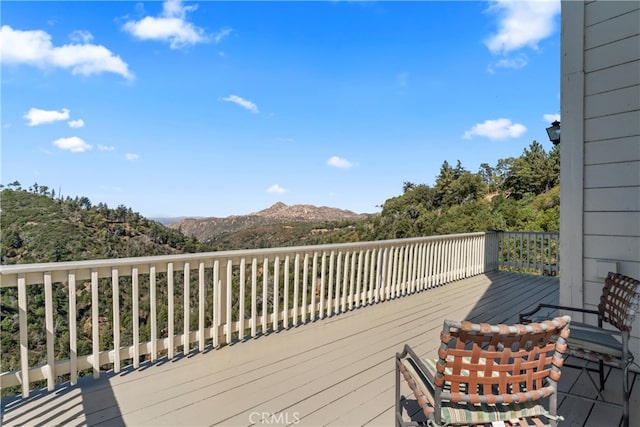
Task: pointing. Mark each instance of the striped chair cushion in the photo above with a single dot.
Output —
(460, 413)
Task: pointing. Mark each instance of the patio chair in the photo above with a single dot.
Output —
(595, 343)
(487, 374)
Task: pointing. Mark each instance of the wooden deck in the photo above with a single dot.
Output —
(338, 371)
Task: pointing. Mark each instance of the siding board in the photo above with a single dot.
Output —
(612, 247)
(612, 78)
(611, 151)
(600, 11)
(612, 223)
(612, 175)
(620, 52)
(626, 199)
(611, 127)
(613, 102)
(611, 30)
(628, 268)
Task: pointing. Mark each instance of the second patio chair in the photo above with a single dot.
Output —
(619, 303)
(487, 373)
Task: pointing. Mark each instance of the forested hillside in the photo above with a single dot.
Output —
(520, 194)
(38, 227)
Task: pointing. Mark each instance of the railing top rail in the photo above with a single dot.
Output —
(235, 254)
(530, 232)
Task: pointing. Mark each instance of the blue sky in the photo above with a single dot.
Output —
(224, 108)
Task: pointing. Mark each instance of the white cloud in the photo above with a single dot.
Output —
(73, 144)
(38, 117)
(170, 26)
(339, 162)
(550, 118)
(275, 188)
(522, 23)
(242, 102)
(516, 63)
(496, 129)
(36, 49)
(131, 157)
(106, 147)
(76, 123)
(80, 36)
(223, 33)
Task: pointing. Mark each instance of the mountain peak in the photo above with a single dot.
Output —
(205, 229)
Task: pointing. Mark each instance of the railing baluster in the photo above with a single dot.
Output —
(420, 267)
(48, 310)
(330, 285)
(276, 292)
(411, 269)
(73, 330)
(265, 295)
(170, 308)
(95, 331)
(186, 301)
(352, 279)
(22, 324)
(152, 306)
(449, 255)
(241, 294)
(285, 297)
(217, 304)
(323, 268)
(201, 300)
(458, 259)
(135, 317)
(437, 262)
(254, 296)
(345, 278)
(296, 285)
(314, 286)
(336, 300)
(228, 297)
(305, 279)
(406, 271)
(379, 274)
(359, 278)
(394, 273)
(370, 257)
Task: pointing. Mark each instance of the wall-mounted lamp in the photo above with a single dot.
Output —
(554, 132)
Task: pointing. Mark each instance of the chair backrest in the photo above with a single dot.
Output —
(483, 363)
(619, 301)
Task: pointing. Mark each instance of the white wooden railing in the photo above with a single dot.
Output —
(150, 307)
(529, 252)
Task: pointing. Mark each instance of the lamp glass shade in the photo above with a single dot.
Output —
(554, 132)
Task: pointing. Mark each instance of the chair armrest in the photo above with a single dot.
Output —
(408, 351)
(526, 317)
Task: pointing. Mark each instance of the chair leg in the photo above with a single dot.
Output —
(398, 414)
(601, 372)
(625, 396)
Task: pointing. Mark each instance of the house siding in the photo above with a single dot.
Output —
(603, 133)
